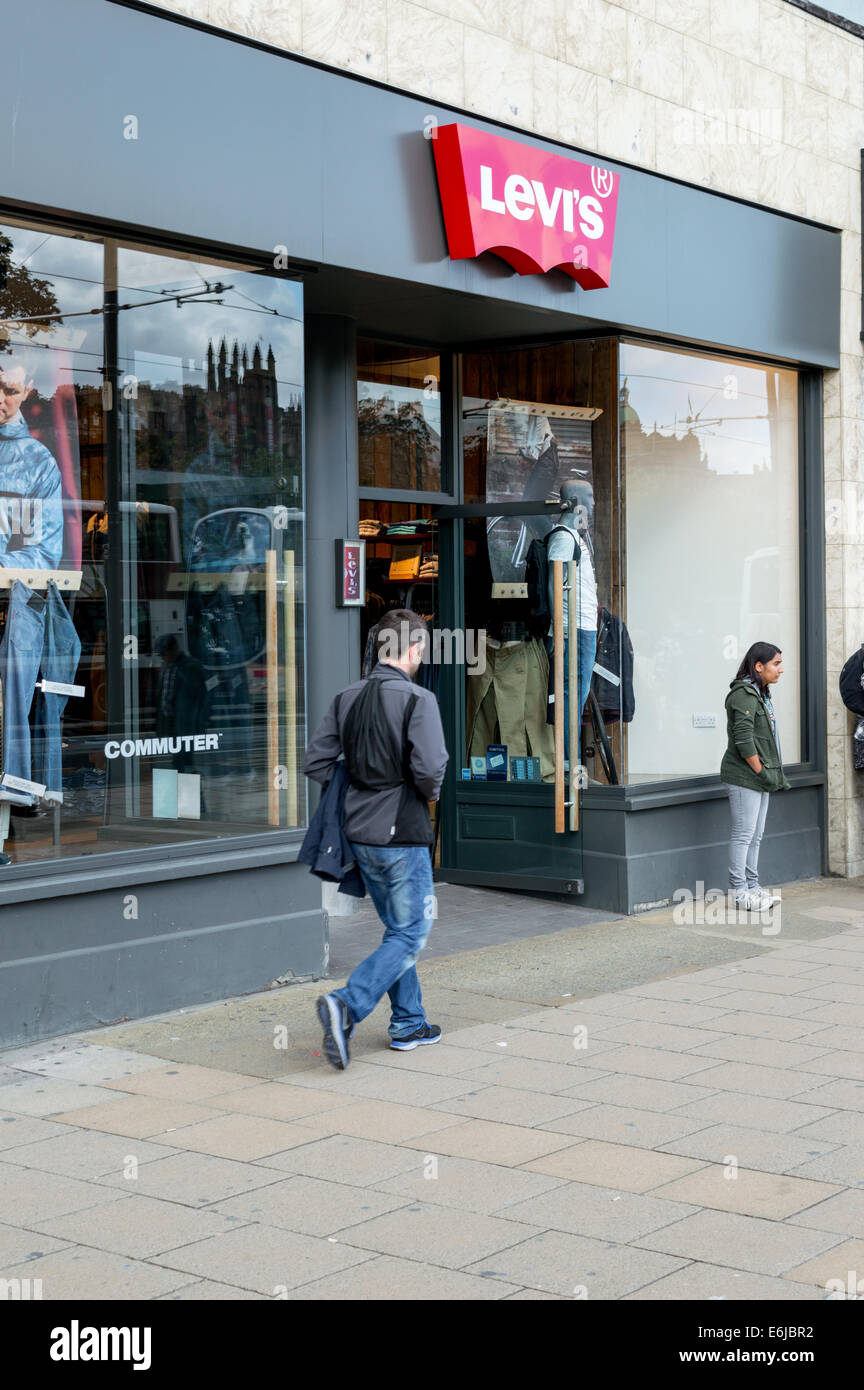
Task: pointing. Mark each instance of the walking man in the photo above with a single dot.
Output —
(389, 731)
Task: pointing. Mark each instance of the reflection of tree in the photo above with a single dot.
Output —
(23, 296)
(413, 458)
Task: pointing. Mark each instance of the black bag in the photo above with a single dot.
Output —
(537, 575)
(373, 760)
(850, 683)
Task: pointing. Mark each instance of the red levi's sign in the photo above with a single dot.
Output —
(534, 209)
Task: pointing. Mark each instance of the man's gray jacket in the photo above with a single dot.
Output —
(392, 816)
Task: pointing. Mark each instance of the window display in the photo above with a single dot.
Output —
(151, 547)
(399, 417)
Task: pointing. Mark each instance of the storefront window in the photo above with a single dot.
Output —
(399, 417)
(153, 468)
(709, 458)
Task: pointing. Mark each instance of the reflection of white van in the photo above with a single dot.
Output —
(760, 596)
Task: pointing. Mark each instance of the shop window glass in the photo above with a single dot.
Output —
(709, 455)
(399, 417)
(152, 448)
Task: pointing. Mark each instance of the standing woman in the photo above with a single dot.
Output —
(751, 769)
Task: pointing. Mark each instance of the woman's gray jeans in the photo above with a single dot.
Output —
(748, 810)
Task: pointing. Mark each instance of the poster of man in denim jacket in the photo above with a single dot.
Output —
(31, 494)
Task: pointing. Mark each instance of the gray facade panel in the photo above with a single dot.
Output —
(244, 146)
(192, 941)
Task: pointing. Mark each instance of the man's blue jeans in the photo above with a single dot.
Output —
(398, 879)
(39, 636)
(586, 651)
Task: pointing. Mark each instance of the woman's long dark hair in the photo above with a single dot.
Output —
(760, 651)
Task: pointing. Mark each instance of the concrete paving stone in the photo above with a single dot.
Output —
(658, 1010)
(10, 1074)
(839, 1064)
(521, 1073)
(440, 1060)
(534, 1296)
(761, 982)
(86, 1153)
(653, 1062)
(402, 1087)
(478, 1008)
(764, 1052)
(266, 1259)
(843, 1213)
(751, 1192)
(41, 1096)
(564, 1021)
(833, 1038)
(511, 1106)
(844, 1165)
(437, 1235)
(681, 989)
(719, 974)
(760, 1081)
(756, 1112)
(701, 1282)
(843, 1094)
(70, 1059)
(467, 1185)
(840, 1270)
(777, 1005)
(619, 1124)
(841, 1015)
(138, 1117)
(574, 1266)
(279, 1100)
(386, 1277)
(838, 992)
(602, 1213)
(835, 974)
(752, 1148)
(621, 1166)
(184, 1083)
(310, 1206)
(377, 1119)
(842, 1127)
(28, 1196)
(489, 1142)
(767, 1026)
(543, 1047)
(140, 1227)
(17, 1246)
(243, 1137)
(25, 1129)
(194, 1179)
(740, 1242)
(778, 963)
(643, 1092)
(659, 1035)
(340, 1158)
(206, 1291)
(78, 1273)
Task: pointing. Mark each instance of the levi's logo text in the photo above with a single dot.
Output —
(536, 210)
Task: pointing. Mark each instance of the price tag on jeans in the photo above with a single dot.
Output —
(21, 784)
(609, 676)
(60, 688)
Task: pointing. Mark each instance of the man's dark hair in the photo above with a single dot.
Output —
(396, 631)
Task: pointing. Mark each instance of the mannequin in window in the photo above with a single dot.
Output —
(574, 543)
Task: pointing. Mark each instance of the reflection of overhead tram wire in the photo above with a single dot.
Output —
(191, 296)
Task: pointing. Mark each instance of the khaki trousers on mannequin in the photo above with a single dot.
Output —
(509, 699)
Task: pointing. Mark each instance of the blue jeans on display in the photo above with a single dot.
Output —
(749, 809)
(586, 651)
(39, 636)
(398, 879)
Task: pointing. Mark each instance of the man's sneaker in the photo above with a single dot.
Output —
(745, 901)
(429, 1033)
(338, 1027)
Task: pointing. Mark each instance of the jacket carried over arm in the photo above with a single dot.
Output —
(395, 815)
(749, 733)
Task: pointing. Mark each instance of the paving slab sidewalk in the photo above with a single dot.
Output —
(633, 1109)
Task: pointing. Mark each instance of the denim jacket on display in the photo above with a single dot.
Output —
(31, 501)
